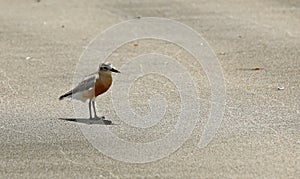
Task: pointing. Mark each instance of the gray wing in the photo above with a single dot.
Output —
(82, 86)
(85, 84)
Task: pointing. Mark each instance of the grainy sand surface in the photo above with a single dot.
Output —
(259, 135)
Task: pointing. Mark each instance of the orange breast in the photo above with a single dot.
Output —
(102, 84)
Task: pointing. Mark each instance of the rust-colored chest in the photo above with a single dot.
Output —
(103, 83)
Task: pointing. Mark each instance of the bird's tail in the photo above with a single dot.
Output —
(65, 95)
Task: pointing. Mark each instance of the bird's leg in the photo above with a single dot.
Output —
(90, 109)
(95, 114)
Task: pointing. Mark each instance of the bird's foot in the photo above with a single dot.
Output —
(98, 118)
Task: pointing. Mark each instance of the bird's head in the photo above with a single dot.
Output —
(107, 67)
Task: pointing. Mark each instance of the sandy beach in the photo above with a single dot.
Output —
(257, 46)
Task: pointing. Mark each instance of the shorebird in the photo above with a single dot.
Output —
(96, 84)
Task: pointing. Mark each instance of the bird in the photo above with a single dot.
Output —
(94, 85)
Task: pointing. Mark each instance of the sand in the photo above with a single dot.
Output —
(41, 43)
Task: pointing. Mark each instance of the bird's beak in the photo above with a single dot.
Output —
(114, 70)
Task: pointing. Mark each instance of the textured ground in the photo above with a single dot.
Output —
(259, 135)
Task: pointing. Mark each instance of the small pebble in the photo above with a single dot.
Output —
(27, 58)
(280, 88)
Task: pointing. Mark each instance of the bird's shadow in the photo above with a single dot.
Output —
(89, 121)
